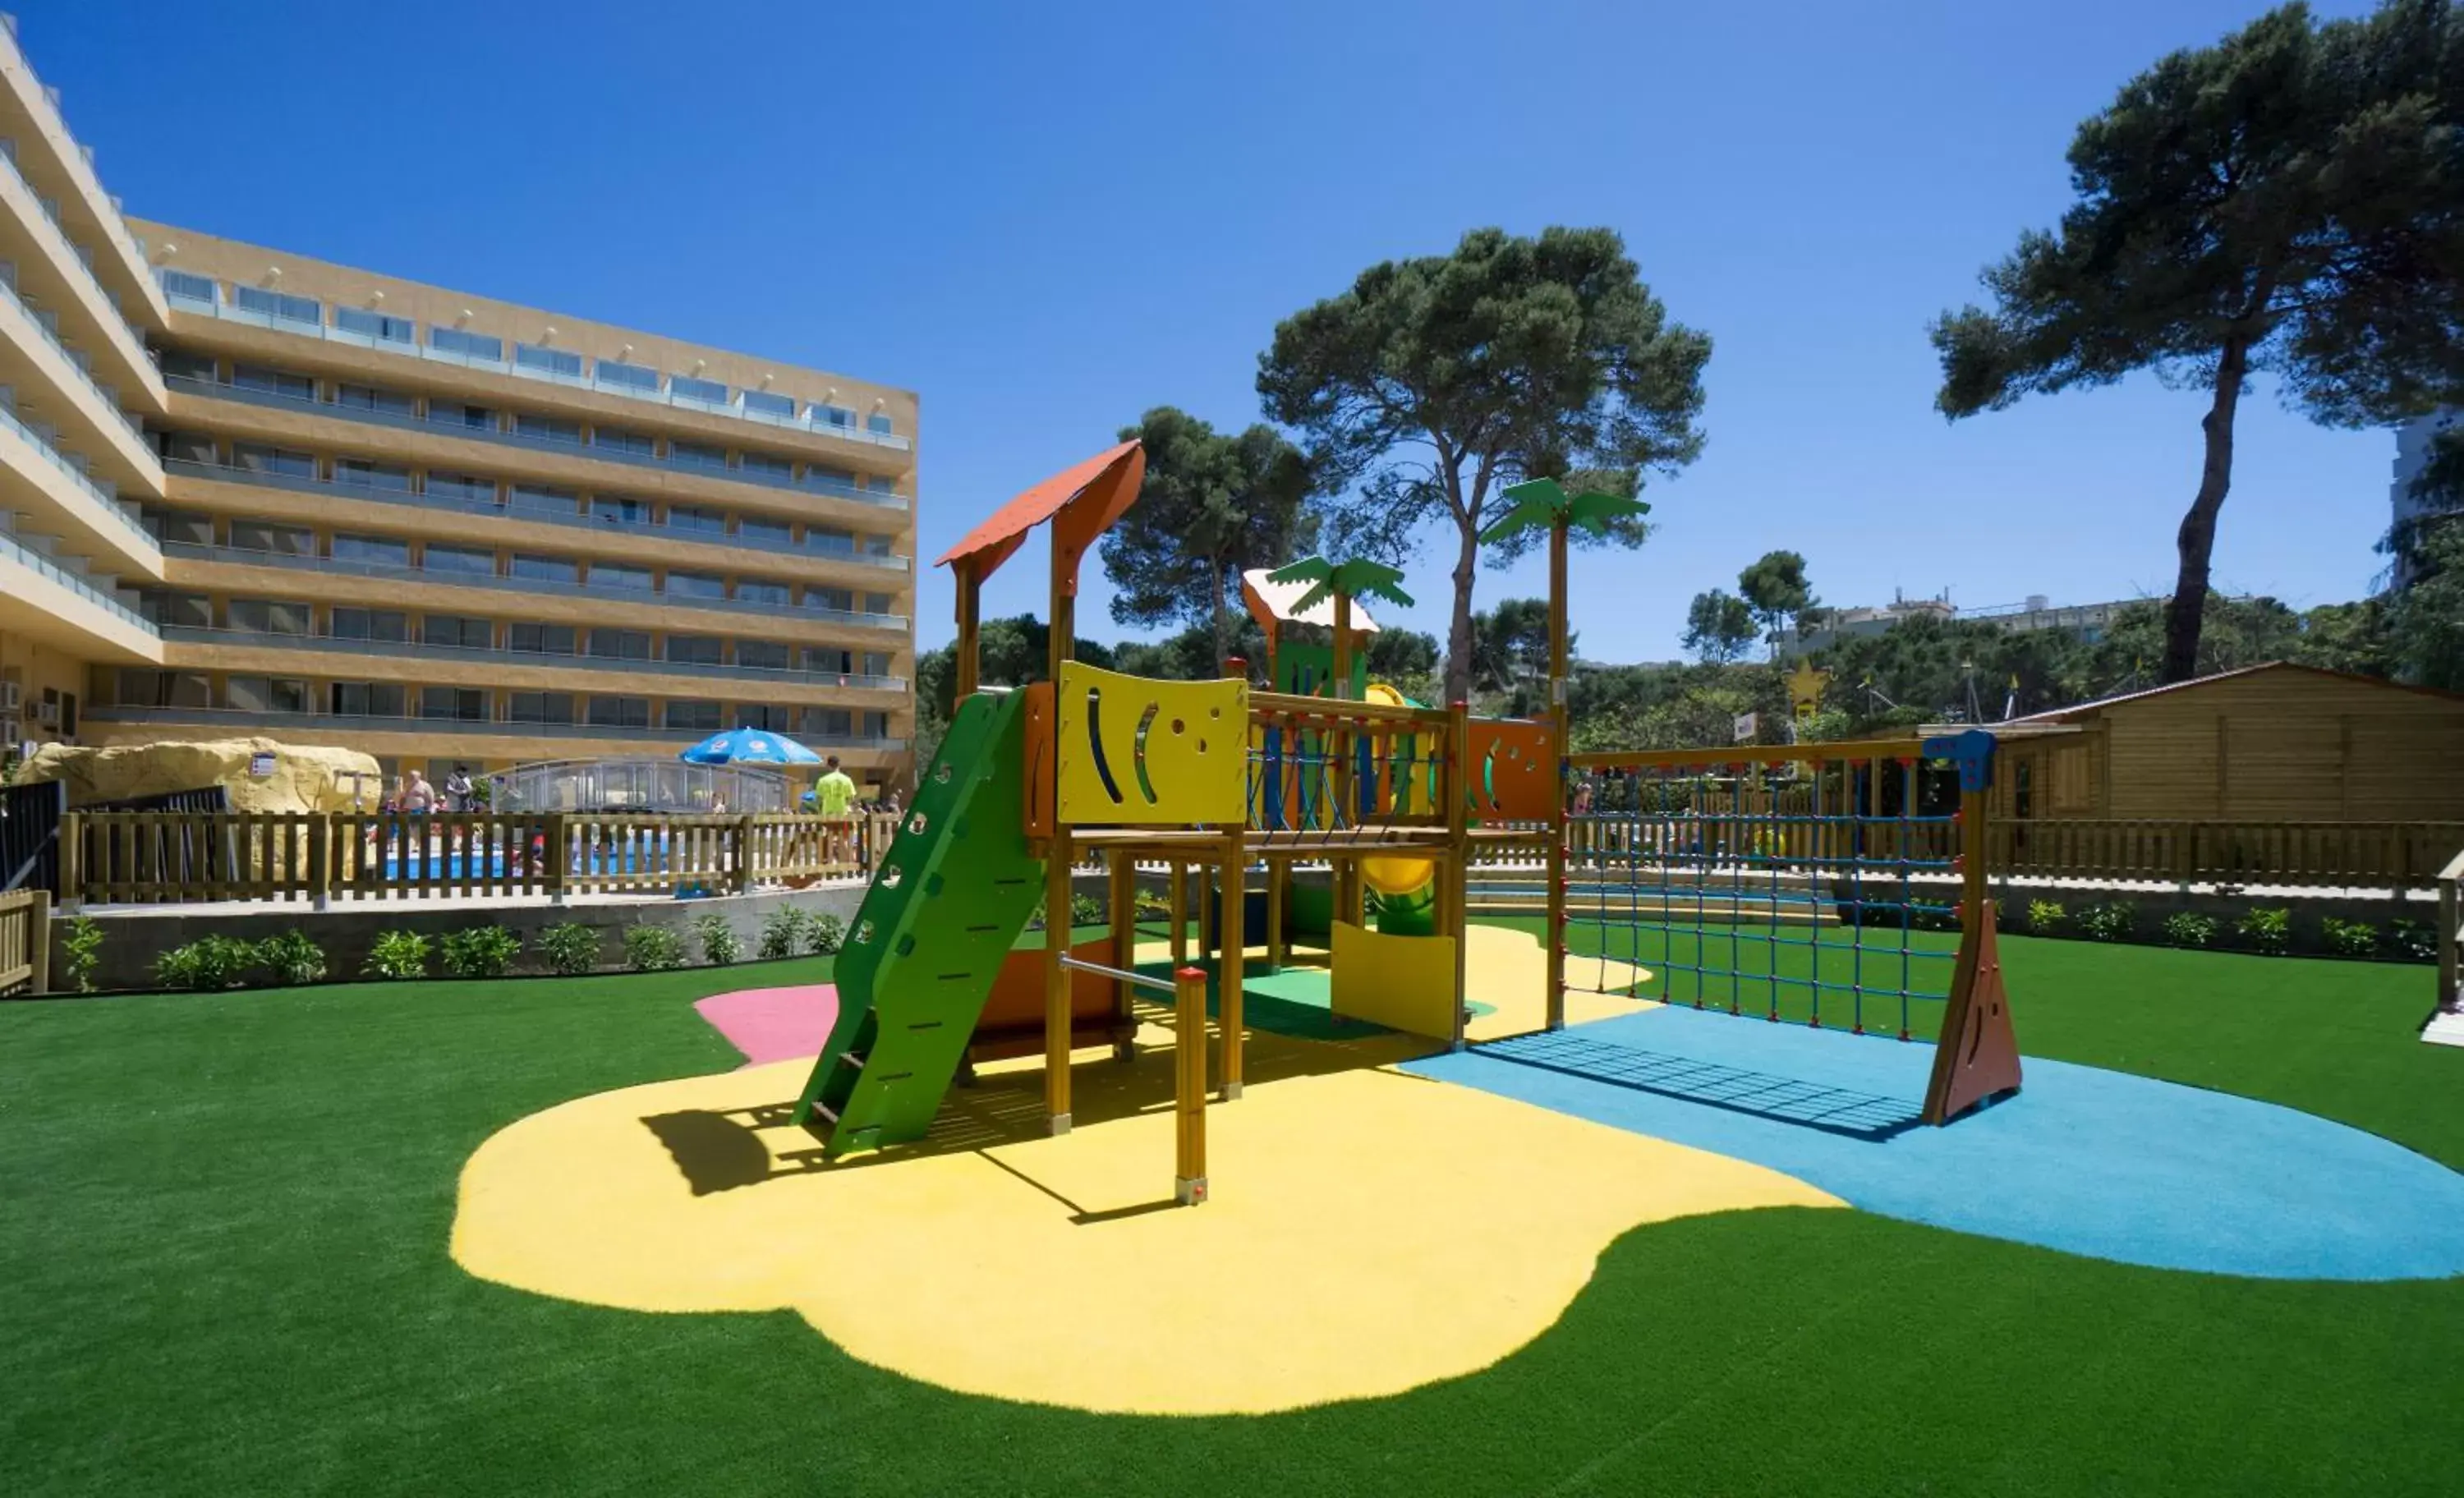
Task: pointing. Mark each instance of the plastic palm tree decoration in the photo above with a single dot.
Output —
(1542, 504)
(1343, 581)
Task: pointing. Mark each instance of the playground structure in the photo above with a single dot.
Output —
(1214, 778)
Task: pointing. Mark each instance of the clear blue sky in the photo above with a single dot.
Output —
(1046, 219)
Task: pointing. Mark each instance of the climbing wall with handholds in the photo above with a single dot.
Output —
(1513, 770)
(1136, 752)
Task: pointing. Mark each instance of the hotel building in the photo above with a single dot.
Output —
(248, 493)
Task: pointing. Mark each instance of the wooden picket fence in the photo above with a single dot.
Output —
(177, 858)
(25, 943)
(2329, 854)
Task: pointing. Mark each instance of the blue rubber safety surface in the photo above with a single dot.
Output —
(2082, 1159)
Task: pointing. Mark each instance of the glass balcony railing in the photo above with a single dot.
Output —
(576, 447)
(104, 496)
(59, 236)
(270, 640)
(630, 388)
(77, 364)
(15, 550)
(413, 723)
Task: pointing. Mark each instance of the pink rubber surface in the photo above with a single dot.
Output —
(774, 1024)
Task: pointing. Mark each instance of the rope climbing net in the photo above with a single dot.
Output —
(1823, 890)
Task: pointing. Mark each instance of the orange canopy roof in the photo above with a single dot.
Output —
(1082, 501)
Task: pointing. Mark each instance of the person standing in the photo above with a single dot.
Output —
(833, 794)
(458, 789)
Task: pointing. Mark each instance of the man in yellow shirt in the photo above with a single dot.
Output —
(833, 794)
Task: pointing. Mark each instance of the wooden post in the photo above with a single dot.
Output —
(966, 655)
(2449, 996)
(39, 941)
(1230, 930)
(72, 863)
(1176, 888)
(557, 856)
(740, 878)
(1123, 913)
(1975, 863)
(1552, 939)
(320, 861)
(1189, 1086)
(1344, 872)
(1064, 617)
(1279, 880)
(1457, 869)
(1209, 908)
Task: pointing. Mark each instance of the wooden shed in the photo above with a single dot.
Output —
(2278, 742)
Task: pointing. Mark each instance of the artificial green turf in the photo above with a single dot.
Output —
(223, 1269)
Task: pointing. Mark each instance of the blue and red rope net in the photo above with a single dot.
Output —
(1822, 891)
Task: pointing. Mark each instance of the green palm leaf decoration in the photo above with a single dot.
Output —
(1539, 504)
(1358, 578)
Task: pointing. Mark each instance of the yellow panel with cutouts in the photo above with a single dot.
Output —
(1138, 752)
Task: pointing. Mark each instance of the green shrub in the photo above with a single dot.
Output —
(720, 945)
(481, 951)
(293, 958)
(570, 949)
(397, 955)
(2046, 916)
(2190, 929)
(783, 932)
(1151, 906)
(2351, 938)
(1084, 909)
(2414, 941)
(652, 949)
(80, 951)
(208, 962)
(2114, 921)
(2268, 929)
(823, 933)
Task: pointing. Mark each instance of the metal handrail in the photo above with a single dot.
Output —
(421, 650)
(108, 499)
(1124, 975)
(414, 723)
(29, 556)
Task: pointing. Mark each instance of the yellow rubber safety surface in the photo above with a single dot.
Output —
(1368, 1231)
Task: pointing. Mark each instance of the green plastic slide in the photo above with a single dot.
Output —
(947, 901)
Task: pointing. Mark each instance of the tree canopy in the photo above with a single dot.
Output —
(1719, 625)
(1213, 505)
(1775, 589)
(2289, 201)
(1434, 382)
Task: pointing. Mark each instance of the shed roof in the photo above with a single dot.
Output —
(2077, 709)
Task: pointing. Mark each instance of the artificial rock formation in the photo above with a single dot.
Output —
(303, 777)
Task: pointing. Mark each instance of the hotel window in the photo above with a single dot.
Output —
(289, 541)
(544, 569)
(709, 391)
(827, 723)
(375, 324)
(638, 443)
(365, 474)
(371, 398)
(752, 590)
(265, 694)
(698, 716)
(185, 284)
(276, 304)
(185, 447)
(254, 458)
(620, 711)
(469, 345)
(382, 551)
(181, 364)
(694, 649)
(751, 532)
(621, 512)
(268, 616)
(875, 725)
(548, 361)
(697, 454)
(877, 423)
(458, 631)
(183, 610)
(461, 486)
(463, 560)
(769, 467)
(163, 689)
(547, 429)
(833, 480)
(770, 719)
(829, 660)
(829, 539)
(879, 604)
(696, 584)
(762, 654)
(876, 546)
(833, 416)
(876, 663)
(694, 517)
(607, 574)
(769, 403)
(620, 644)
(469, 704)
(882, 486)
(367, 699)
(546, 499)
(184, 526)
(832, 598)
(384, 626)
(455, 413)
(540, 707)
(633, 377)
(541, 639)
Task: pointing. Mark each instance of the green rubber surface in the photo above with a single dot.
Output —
(956, 889)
